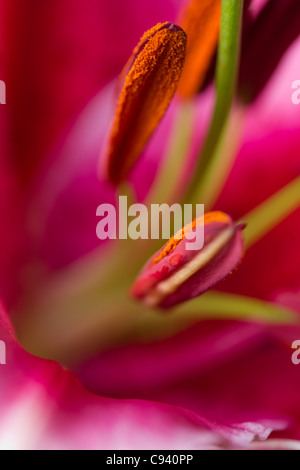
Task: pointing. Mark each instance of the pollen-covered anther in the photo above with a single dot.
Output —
(201, 21)
(176, 274)
(149, 84)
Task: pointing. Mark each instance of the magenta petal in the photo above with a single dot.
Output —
(43, 406)
(260, 57)
(220, 368)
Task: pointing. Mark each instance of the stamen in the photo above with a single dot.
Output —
(174, 241)
(150, 84)
(177, 274)
(170, 285)
(226, 80)
(201, 21)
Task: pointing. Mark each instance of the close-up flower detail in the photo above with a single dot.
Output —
(201, 22)
(177, 274)
(149, 87)
(262, 51)
(127, 323)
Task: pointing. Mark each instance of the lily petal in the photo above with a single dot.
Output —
(223, 368)
(44, 406)
(262, 52)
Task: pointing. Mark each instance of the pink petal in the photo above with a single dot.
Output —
(234, 372)
(44, 407)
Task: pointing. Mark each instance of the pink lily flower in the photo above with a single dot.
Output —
(221, 355)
